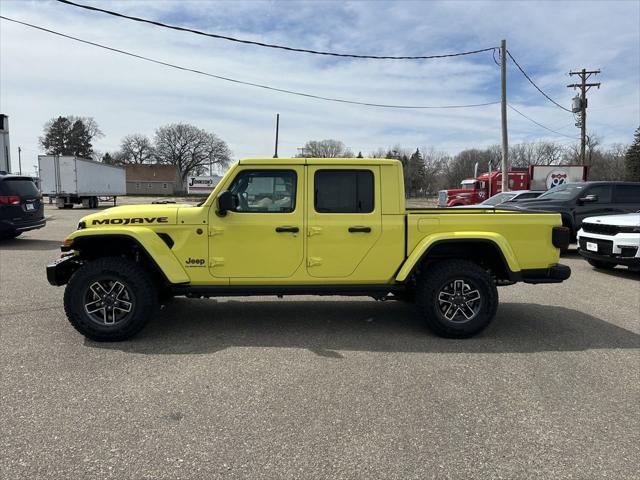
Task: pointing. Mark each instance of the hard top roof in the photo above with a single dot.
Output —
(318, 161)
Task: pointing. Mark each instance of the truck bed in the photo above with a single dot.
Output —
(527, 235)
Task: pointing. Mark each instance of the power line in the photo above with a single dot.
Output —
(539, 124)
(269, 45)
(534, 84)
(241, 82)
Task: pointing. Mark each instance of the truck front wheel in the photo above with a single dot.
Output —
(457, 298)
(110, 299)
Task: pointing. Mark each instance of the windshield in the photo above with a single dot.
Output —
(565, 191)
(467, 184)
(499, 198)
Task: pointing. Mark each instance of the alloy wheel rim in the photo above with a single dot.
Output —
(108, 302)
(459, 301)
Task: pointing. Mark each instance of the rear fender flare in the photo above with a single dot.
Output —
(421, 251)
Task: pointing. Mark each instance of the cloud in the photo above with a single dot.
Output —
(42, 76)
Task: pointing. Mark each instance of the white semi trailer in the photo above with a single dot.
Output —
(73, 180)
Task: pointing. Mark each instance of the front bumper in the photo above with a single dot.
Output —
(621, 249)
(60, 271)
(554, 274)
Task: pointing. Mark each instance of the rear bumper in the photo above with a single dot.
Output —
(554, 274)
(9, 226)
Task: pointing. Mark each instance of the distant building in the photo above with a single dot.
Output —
(5, 148)
(153, 180)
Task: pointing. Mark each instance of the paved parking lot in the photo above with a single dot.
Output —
(320, 388)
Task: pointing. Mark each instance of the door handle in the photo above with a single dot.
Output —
(287, 229)
(359, 229)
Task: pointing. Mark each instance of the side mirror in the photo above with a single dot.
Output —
(226, 202)
(589, 199)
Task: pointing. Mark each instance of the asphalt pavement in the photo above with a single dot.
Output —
(319, 387)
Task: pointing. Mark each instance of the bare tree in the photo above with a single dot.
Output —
(136, 148)
(190, 148)
(328, 148)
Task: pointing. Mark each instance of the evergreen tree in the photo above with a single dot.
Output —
(79, 144)
(56, 136)
(70, 135)
(416, 174)
(632, 159)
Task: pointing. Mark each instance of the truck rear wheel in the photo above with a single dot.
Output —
(110, 299)
(457, 298)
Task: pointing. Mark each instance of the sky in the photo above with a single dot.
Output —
(44, 76)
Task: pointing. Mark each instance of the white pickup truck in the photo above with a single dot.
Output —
(611, 240)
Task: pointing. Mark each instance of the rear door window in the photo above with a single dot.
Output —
(627, 194)
(343, 191)
(21, 187)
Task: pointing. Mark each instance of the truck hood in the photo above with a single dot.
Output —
(146, 214)
(626, 220)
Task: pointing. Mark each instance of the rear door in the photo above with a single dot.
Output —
(344, 218)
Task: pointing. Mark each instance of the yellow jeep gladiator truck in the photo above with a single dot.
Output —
(303, 226)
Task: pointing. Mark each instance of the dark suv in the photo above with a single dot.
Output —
(577, 201)
(21, 207)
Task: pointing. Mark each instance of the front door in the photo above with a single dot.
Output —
(263, 236)
(344, 218)
(602, 206)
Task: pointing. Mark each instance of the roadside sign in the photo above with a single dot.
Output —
(202, 185)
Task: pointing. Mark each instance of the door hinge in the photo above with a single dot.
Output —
(216, 261)
(313, 261)
(215, 231)
(314, 231)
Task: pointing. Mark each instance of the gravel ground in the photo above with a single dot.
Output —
(326, 387)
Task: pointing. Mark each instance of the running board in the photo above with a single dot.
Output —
(377, 291)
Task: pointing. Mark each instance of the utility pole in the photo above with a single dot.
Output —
(505, 139)
(580, 105)
(277, 131)
(20, 160)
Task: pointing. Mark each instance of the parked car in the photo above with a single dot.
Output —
(577, 201)
(505, 197)
(21, 207)
(611, 240)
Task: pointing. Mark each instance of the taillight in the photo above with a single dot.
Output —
(10, 200)
(561, 237)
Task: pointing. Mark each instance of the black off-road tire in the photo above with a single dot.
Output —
(141, 290)
(601, 264)
(438, 278)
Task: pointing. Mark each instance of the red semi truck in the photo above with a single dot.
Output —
(536, 177)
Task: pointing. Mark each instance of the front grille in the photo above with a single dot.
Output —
(600, 228)
(605, 247)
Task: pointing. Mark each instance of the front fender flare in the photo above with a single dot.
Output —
(147, 240)
(422, 249)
